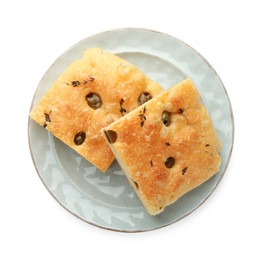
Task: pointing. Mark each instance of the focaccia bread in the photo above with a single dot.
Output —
(166, 147)
(91, 93)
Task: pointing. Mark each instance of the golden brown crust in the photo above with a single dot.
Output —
(165, 162)
(64, 110)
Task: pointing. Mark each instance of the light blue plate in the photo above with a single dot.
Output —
(107, 200)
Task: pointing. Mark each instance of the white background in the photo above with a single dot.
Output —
(34, 33)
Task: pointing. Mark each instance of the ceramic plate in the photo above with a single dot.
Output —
(107, 200)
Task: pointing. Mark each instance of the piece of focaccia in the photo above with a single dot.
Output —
(90, 94)
(166, 147)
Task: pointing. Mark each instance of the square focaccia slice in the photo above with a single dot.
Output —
(166, 147)
(91, 93)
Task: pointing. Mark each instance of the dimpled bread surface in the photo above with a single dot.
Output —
(91, 93)
(166, 147)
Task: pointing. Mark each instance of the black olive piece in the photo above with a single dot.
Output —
(111, 136)
(151, 163)
(180, 110)
(170, 161)
(144, 97)
(80, 138)
(135, 184)
(94, 100)
(166, 118)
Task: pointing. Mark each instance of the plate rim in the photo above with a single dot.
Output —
(230, 151)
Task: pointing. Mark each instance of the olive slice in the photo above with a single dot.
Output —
(111, 136)
(136, 185)
(80, 138)
(94, 100)
(166, 119)
(170, 161)
(144, 97)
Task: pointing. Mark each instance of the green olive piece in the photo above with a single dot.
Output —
(94, 100)
(144, 97)
(170, 161)
(80, 138)
(166, 118)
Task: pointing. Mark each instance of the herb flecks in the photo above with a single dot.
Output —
(142, 116)
(76, 83)
(122, 110)
(88, 80)
(167, 144)
(207, 145)
(47, 119)
(184, 170)
(151, 163)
